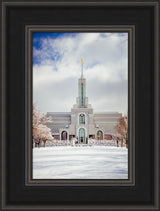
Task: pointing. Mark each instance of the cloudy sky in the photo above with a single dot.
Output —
(57, 68)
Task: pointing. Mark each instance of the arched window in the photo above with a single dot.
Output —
(64, 135)
(81, 119)
(99, 135)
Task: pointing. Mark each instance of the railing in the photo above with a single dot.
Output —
(91, 142)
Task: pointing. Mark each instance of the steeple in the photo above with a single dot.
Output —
(82, 100)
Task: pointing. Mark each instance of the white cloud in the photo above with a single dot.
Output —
(56, 73)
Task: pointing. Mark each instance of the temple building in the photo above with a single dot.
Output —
(82, 123)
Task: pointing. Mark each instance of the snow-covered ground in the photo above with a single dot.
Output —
(85, 162)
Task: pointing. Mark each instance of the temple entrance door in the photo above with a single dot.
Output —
(82, 138)
(64, 135)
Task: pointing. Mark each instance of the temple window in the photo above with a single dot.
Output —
(81, 119)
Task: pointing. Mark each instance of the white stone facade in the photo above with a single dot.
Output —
(82, 123)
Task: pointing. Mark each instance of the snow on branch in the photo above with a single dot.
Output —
(40, 132)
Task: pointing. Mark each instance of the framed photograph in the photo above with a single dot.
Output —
(80, 105)
(73, 135)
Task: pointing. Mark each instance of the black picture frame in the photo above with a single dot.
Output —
(16, 194)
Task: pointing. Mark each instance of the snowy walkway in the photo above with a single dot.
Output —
(66, 162)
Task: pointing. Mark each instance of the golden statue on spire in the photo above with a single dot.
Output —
(82, 60)
(81, 67)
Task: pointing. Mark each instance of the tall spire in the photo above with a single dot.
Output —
(82, 100)
(81, 67)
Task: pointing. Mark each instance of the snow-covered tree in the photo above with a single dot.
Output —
(40, 131)
(44, 133)
(91, 142)
(38, 117)
(122, 128)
